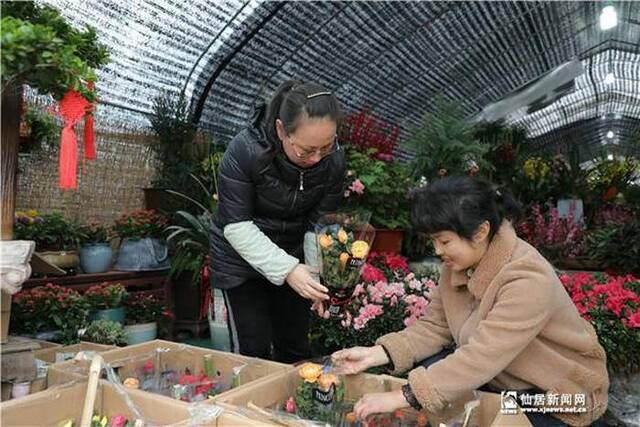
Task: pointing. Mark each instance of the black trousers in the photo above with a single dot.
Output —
(268, 321)
(536, 419)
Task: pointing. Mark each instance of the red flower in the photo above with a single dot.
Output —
(148, 367)
(372, 274)
(634, 320)
(610, 194)
(397, 262)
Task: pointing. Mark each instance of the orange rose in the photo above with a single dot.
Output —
(342, 236)
(131, 383)
(325, 241)
(344, 257)
(327, 380)
(310, 372)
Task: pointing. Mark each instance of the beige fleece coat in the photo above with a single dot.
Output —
(514, 327)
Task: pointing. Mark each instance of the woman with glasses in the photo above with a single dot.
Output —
(277, 177)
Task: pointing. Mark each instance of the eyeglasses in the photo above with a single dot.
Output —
(305, 153)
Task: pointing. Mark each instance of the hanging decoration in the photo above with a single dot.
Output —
(72, 108)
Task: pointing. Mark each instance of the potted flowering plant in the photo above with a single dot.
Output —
(379, 187)
(143, 311)
(388, 298)
(107, 301)
(343, 242)
(49, 312)
(612, 305)
(56, 238)
(142, 247)
(560, 240)
(95, 250)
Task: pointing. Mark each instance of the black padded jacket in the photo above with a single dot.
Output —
(257, 182)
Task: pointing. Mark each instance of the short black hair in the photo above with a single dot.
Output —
(461, 204)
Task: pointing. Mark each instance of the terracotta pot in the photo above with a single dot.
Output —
(157, 199)
(388, 241)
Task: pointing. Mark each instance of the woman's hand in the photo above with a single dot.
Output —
(357, 359)
(301, 280)
(378, 403)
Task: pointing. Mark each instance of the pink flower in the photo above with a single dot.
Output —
(385, 157)
(290, 406)
(117, 421)
(357, 187)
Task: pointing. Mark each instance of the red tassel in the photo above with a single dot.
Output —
(72, 108)
(89, 136)
(68, 158)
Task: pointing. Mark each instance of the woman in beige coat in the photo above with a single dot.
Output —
(500, 320)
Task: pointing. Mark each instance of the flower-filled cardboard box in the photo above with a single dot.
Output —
(61, 406)
(173, 371)
(312, 395)
(309, 394)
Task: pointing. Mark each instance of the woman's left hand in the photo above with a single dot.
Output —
(378, 403)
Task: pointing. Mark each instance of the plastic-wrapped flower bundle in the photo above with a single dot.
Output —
(344, 242)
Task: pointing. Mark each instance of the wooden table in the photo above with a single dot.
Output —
(132, 280)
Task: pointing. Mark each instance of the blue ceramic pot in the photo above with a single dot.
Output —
(95, 258)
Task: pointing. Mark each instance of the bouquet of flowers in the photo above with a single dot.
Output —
(344, 241)
(320, 397)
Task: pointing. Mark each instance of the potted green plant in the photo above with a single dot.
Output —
(379, 187)
(105, 332)
(142, 247)
(143, 311)
(444, 144)
(95, 250)
(56, 238)
(177, 148)
(189, 239)
(107, 301)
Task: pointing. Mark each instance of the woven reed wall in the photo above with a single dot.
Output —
(107, 187)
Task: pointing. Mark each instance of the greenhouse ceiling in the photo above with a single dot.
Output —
(394, 57)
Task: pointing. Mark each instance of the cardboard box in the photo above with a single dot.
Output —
(59, 354)
(61, 403)
(272, 393)
(45, 344)
(128, 361)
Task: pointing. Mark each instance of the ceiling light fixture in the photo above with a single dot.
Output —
(610, 134)
(608, 18)
(609, 79)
